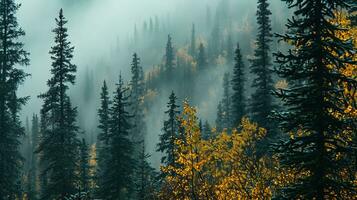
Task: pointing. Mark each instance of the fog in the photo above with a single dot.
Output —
(102, 32)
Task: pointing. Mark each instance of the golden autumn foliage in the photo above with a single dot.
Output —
(225, 167)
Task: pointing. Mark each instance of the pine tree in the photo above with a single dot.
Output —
(84, 168)
(59, 143)
(33, 173)
(318, 147)
(230, 49)
(11, 54)
(136, 100)
(192, 49)
(146, 176)
(103, 136)
(207, 131)
(169, 57)
(202, 59)
(238, 96)
(219, 118)
(226, 102)
(117, 181)
(262, 102)
(170, 132)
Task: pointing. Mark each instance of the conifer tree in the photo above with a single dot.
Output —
(12, 54)
(59, 143)
(219, 118)
(207, 131)
(84, 168)
(103, 136)
(169, 57)
(226, 102)
(117, 180)
(33, 172)
(238, 96)
(192, 49)
(230, 49)
(169, 132)
(318, 146)
(146, 176)
(262, 102)
(136, 100)
(202, 58)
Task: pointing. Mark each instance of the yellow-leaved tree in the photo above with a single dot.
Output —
(224, 167)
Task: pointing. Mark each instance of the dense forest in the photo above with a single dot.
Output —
(211, 99)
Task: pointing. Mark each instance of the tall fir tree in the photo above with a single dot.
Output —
(117, 175)
(206, 131)
(33, 172)
(230, 49)
(219, 118)
(84, 168)
(202, 58)
(238, 96)
(103, 135)
(320, 143)
(137, 100)
(262, 98)
(169, 132)
(146, 176)
(59, 143)
(169, 57)
(12, 54)
(192, 49)
(226, 102)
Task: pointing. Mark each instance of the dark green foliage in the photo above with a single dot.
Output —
(229, 50)
(11, 54)
(315, 86)
(33, 171)
(202, 58)
(136, 100)
(59, 143)
(262, 100)
(117, 175)
(226, 103)
(103, 136)
(238, 96)
(169, 57)
(170, 132)
(192, 49)
(146, 176)
(84, 168)
(206, 131)
(219, 118)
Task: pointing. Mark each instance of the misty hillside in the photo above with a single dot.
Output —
(178, 99)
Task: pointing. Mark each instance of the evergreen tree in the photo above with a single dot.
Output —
(117, 180)
(84, 168)
(207, 131)
(33, 173)
(219, 118)
(226, 102)
(169, 57)
(136, 100)
(103, 136)
(59, 143)
(11, 54)
(170, 132)
(238, 97)
(202, 58)
(146, 176)
(319, 148)
(192, 49)
(262, 102)
(230, 50)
